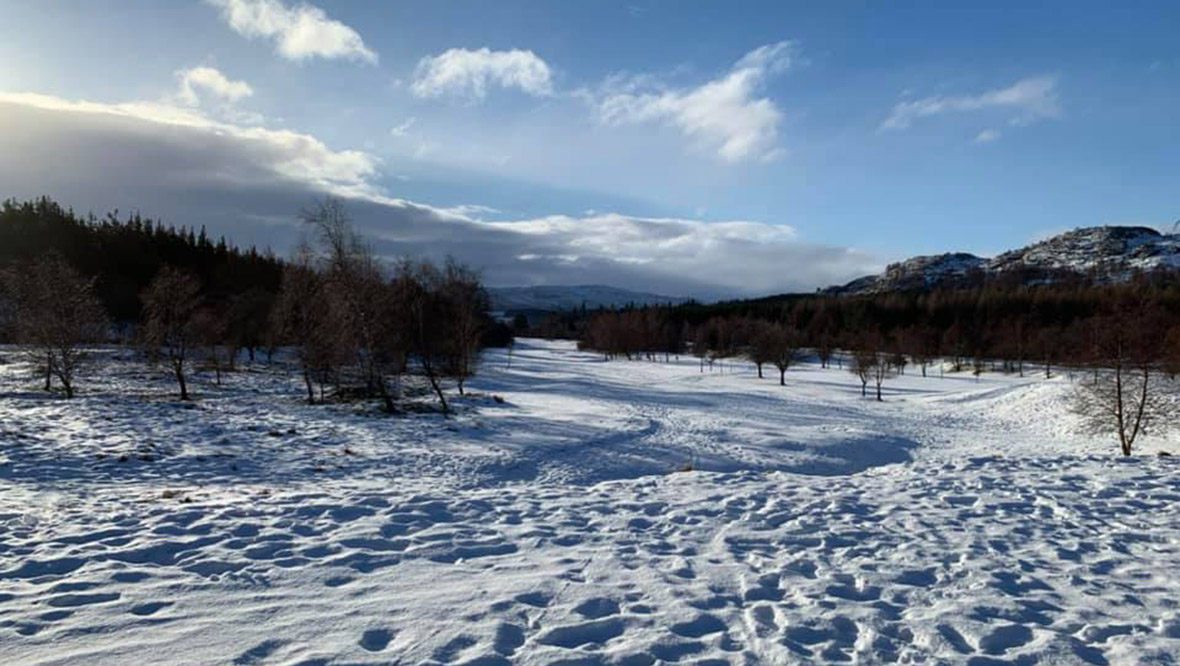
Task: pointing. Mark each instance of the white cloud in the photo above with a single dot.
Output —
(724, 116)
(988, 135)
(300, 32)
(1031, 99)
(471, 211)
(467, 73)
(212, 82)
(404, 128)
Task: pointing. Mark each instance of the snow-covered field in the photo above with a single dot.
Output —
(958, 522)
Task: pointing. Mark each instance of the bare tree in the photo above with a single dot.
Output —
(302, 316)
(425, 316)
(870, 363)
(898, 361)
(820, 331)
(700, 346)
(361, 299)
(954, 344)
(881, 370)
(784, 349)
(762, 345)
(863, 364)
(1048, 344)
(170, 305)
(467, 302)
(1126, 394)
(246, 321)
(211, 327)
(57, 314)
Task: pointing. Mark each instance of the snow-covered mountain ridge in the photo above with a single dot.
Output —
(1111, 252)
(571, 297)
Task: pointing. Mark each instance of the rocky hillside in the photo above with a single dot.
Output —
(1107, 253)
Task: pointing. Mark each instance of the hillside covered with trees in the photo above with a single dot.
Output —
(356, 324)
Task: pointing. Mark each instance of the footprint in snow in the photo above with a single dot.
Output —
(376, 640)
(576, 635)
(508, 638)
(451, 650)
(702, 625)
(149, 608)
(598, 607)
(1004, 638)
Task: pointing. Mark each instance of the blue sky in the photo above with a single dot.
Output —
(688, 147)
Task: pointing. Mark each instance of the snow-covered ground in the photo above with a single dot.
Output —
(958, 522)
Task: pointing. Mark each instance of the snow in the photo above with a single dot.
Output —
(960, 521)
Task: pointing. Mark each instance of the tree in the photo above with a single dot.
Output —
(57, 313)
(211, 327)
(863, 364)
(1048, 344)
(360, 298)
(425, 316)
(700, 346)
(870, 362)
(466, 303)
(302, 316)
(898, 361)
(954, 344)
(819, 331)
(784, 349)
(1125, 395)
(881, 370)
(170, 305)
(246, 320)
(762, 345)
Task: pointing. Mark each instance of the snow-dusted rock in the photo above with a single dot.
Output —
(1109, 253)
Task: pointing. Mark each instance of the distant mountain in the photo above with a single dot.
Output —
(1107, 253)
(552, 298)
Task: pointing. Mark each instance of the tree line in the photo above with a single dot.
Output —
(1120, 342)
(121, 254)
(357, 326)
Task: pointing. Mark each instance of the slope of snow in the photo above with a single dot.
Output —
(959, 521)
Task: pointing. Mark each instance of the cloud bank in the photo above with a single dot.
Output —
(299, 33)
(249, 183)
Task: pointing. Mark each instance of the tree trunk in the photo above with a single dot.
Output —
(48, 372)
(782, 377)
(310, 390)
(180, 380)
(879, 393)
(386, 398)
(442, 399)
(864, 388)
(759, 370)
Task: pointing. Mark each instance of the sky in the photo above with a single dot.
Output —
(687, 148)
